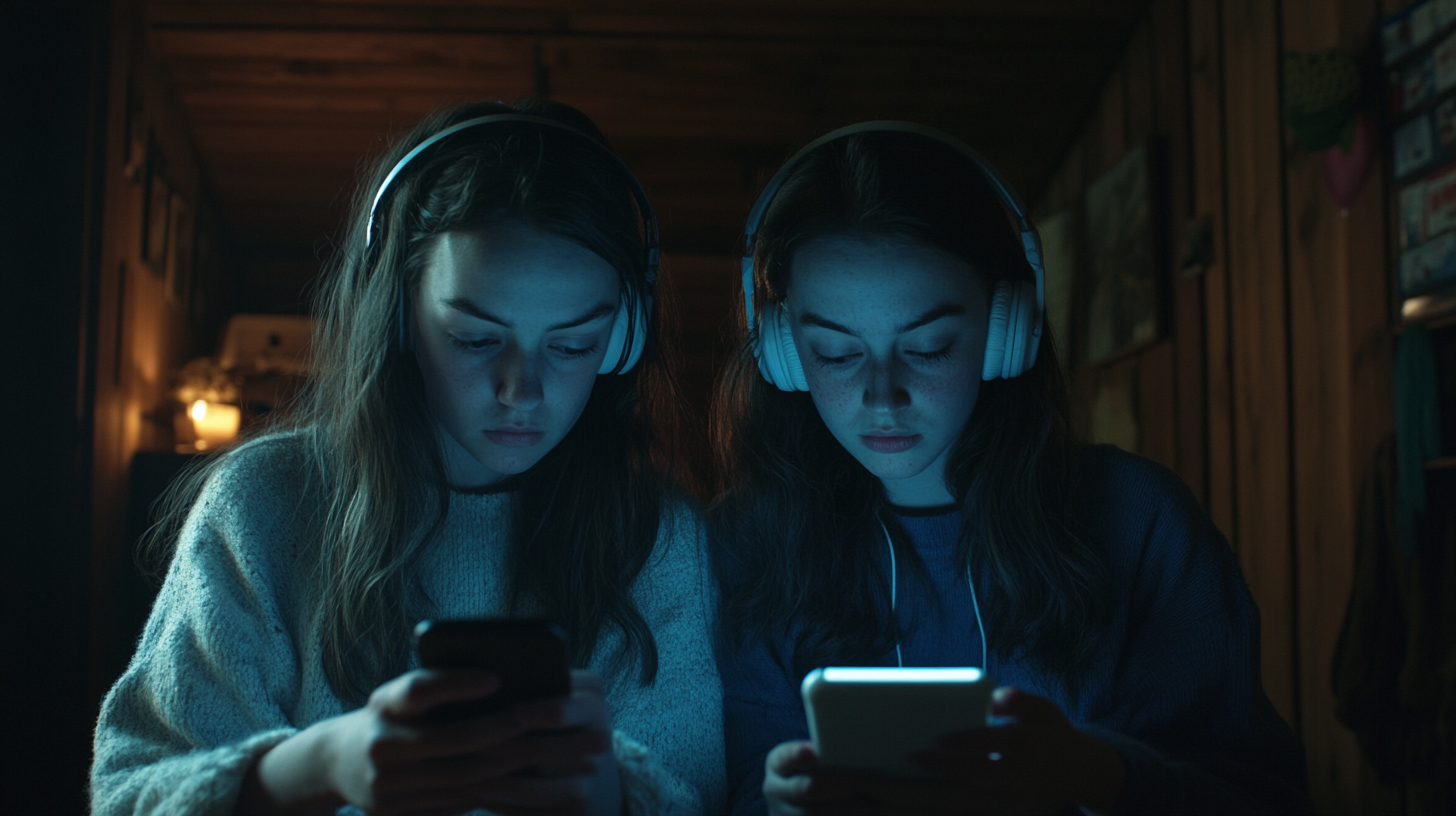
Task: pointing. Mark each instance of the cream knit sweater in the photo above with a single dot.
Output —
(229, 664)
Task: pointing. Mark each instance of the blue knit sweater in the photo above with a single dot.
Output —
(1175, 691)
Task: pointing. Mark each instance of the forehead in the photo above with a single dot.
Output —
(516, 264)
(874, 275)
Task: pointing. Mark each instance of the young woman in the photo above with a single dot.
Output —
(922, 505)
(484, 436)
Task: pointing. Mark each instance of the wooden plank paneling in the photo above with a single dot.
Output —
(1259, 349)
(1324, 504)
(1060, 24)
(1206, 120)
(1170, 69)
(1155, 404)
(1337, 311)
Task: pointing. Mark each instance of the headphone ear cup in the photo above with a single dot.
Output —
(996, 332)
(778, 357)
(613, 361)
(1023, 330)
(1013, 334)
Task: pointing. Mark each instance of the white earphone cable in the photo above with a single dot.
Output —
(975, 604)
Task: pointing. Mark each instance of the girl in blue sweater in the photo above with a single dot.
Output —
(897, 400)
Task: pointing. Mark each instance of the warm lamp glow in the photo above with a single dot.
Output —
(214, 423)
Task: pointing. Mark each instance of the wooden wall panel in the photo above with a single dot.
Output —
(1259, 351)
(1170, 69)
(1207, 149)
(1340, 391)
(1142, 102)
(1324, 501)
(142, 337)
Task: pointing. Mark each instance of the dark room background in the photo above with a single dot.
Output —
(170, 164)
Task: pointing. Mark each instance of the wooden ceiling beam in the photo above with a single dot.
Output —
(1063, 24)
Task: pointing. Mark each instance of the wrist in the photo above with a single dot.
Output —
(292, 777)
(1104, 775)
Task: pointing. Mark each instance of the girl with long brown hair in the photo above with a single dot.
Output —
(902, 490)
(488, 432)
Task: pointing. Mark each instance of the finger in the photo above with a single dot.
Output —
(450, 775)
(583, 680)
(581, 766)
(413, 693)
(428, 803)
(790, 758)
(967, 770)
(576, 710)
(1022, 706)
(980, 742)
(833, 786)
(454, 739)
(900, 795)
(537, 749)
(506, 793)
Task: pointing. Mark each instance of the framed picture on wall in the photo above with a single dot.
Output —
(180, 230)
(156, 203)
(1122, 258)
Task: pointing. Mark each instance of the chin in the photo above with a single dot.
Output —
(507, 465)
(892, 465)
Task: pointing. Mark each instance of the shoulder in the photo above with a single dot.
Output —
(1122, 493)
(255, 492)
(1157, 539)
(676, 571)
(681, 536)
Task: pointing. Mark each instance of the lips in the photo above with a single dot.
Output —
(515, 437)
(890, 443)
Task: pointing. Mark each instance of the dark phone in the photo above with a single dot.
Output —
(528, 655)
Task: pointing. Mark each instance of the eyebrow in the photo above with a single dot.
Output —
(470, 308)
(943, 310)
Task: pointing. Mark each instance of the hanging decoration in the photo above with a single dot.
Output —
(1322, 108)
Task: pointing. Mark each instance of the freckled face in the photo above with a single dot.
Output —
(510, 327)
(892, 336)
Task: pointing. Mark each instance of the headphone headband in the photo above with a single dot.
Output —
(1030, 242)
(651, 236)
(629, 327)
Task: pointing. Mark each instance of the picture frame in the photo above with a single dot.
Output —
(156, 218)
(181, 228)
(1124, 258)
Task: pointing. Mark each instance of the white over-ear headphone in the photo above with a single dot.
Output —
(629, 327)
(1014, 333)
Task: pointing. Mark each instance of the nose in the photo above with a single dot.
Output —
(885, 390)
(519, 379)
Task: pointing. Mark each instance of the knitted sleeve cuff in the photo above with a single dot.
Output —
(204, 783)
(648, 789)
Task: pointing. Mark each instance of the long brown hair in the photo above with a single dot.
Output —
(585, 517)
(796, 529)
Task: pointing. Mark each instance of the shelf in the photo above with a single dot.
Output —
(1443, 463)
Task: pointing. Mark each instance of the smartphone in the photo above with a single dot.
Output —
(528, 655)
(875, 718)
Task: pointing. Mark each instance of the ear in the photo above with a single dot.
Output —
(778, 357)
